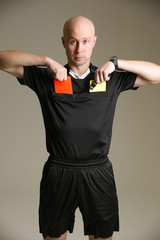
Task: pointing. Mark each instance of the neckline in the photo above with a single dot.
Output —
(84, 75)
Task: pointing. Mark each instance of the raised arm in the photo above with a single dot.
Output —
(13, 61)
(148, 73)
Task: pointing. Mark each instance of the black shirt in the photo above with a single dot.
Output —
(79, 126)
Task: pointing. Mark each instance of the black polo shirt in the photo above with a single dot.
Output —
(79, 125)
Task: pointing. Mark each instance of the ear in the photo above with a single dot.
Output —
(95, 40)
(63, 41)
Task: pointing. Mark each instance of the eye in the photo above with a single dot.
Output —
(73, 42)
(85, 41)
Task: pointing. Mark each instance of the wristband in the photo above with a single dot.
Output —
(114, 60)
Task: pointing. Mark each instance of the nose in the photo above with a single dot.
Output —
(79, 48)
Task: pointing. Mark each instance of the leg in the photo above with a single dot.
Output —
(91, 237)
(62, 237)
(103, 188)
(54, 202)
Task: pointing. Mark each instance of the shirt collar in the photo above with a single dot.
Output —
(79, 77)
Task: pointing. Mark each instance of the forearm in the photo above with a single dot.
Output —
(12, 59)
(146, 70)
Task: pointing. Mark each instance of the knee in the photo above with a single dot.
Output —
(62, 237)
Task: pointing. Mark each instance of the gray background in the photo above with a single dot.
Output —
(128, 29)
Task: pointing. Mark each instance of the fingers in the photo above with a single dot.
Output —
(103, 73)
(101, 76)
(60, 73)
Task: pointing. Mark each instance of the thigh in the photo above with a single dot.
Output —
(98, 201)
(98, 195)
(58, 192)
(58, 201)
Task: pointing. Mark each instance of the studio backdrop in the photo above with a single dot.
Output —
(125, 28)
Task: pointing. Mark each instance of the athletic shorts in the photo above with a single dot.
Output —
(88, 185)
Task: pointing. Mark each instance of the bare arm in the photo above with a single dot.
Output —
(13, 61)
(148, 73)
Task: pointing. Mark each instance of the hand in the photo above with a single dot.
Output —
(59, 72)
(103, 73)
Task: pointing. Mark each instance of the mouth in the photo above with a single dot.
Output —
(79, 58)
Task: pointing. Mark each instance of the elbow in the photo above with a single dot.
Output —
(155, 78)
(1, 61)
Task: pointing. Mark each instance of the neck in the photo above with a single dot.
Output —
(79, 70)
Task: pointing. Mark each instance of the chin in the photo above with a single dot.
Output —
(79, 63)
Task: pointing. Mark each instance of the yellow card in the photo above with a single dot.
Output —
(100, 87)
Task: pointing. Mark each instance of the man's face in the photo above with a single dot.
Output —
(79, 41)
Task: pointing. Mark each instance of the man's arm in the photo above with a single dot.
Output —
(13, 61)
(148, 73)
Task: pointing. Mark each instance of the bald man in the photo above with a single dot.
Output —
(78, 102)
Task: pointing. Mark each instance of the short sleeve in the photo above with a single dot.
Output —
(36, 78)
(124, 80)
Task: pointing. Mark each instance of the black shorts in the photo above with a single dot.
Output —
(88, 185)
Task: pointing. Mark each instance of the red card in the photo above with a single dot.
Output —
(63, 86)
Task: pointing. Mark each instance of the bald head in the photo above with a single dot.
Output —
(77, 23)
(79, 40)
